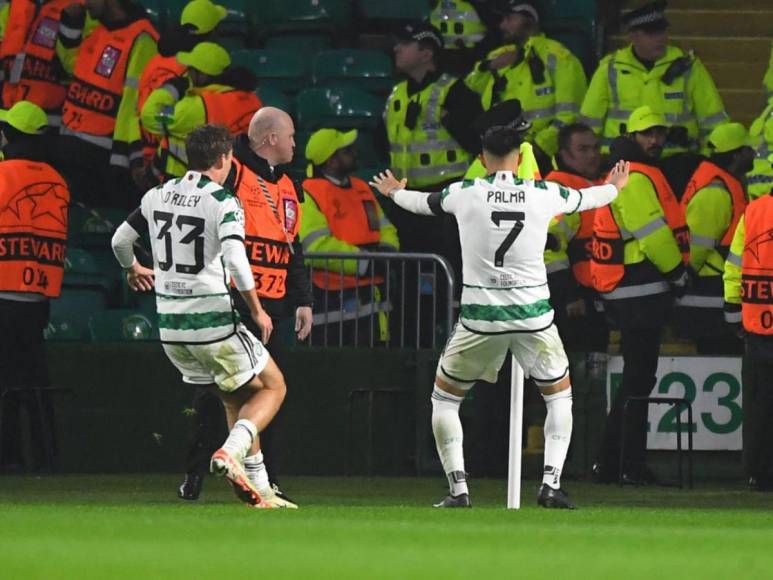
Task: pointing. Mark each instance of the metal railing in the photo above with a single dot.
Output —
(412, 294)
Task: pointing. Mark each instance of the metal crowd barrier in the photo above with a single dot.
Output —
(412, 294)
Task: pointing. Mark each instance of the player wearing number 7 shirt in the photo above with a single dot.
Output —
(196, 228)
(503, 225)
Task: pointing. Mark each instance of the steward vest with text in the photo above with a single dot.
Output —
(757, 267)
(353, 217)
(31, 68)
(580, 247)
(706, 173)
(608, 260)
(272, 218)
(33, 227)
(96, 90)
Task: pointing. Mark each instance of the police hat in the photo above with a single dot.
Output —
(649, 18)
(505, 114)
(525, 8)
(417, 31)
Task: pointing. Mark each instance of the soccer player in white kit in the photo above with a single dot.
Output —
(196, 228)
(503, 224)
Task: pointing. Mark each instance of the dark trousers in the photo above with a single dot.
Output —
(640, 349)
(757, 374)
(209, 429)
(641, 322)
(23, 368)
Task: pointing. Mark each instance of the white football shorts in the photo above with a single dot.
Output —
(469, 357)
(230, 363)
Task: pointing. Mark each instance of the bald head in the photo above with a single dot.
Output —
(271, 134)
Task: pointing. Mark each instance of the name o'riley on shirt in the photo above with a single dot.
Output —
(506, 197)
(181, 200)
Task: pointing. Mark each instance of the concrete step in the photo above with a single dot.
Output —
(723, 23)
(715, 49)
(737, 75)
(743, 105)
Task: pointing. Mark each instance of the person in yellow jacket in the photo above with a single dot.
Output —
(650, 71)
(463, 30)
(105, 48)
(540, 72)
(208, 92)
(713, 201)
(639, 305)
(341, 215)
(760, 178)
(749, 313)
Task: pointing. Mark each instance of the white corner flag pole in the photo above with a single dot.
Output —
(516, 438)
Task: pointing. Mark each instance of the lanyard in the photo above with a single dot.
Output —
(275, 211)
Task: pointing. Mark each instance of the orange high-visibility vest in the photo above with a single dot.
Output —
(233, 109)
(703, 176)
(158, 70)
(96, 90)
(757, 267)
(272, 218)
(33, 227)
(352, 216)
(608, 261)
(28, 54)
(581, 245)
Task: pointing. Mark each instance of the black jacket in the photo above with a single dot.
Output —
(298, 284)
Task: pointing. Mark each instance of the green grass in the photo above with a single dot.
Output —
(134, 527)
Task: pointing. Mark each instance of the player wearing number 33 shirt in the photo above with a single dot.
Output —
(503, 224)
(196, 228)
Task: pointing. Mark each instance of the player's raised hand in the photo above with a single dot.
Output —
(387, 184)
(619, 174)
(264, 322)
(140, 278)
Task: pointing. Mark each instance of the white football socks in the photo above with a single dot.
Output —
(256, 471)
(449, 437)
(558, 434)
(240, 439)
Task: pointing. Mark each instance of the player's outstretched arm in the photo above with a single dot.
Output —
(601, 195)
(417, 202)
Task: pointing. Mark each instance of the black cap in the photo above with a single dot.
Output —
(649, 18)
(505, 114)
(418, 31)
(524, 7)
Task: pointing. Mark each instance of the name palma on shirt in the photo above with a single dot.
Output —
(506, 197)
(182, 200)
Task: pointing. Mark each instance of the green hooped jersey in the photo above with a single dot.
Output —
(503, 225)
(188, 218)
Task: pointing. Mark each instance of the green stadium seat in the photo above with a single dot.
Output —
(123, 325)
(394, 9)
(304, 44)
(370, 70)
(338, 107)
(273, 16)
(93, 228)
(272, 96)
(586, 9)
(71, 311)
(283, 69)
(156, 10)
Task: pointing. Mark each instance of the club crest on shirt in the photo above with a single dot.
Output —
(107, 61)
(291, 214)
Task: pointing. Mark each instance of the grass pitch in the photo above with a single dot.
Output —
(134, 527)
